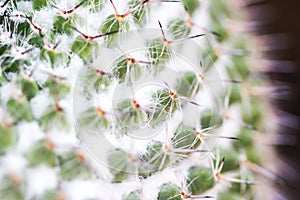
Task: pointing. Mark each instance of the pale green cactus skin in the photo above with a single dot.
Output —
(43, 46)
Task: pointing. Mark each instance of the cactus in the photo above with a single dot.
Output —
(125, 98)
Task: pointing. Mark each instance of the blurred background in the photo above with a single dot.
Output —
(277, 23)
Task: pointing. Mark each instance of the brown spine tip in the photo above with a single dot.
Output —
(49, 144)
(100, 112)
(120, 17)
(60, 197)
(58, 108)
(6, 124)
(173, 95)
(167, 149)
(81, 156)
(131, 60)
(16, 181)
(200, 134)
(201, 77)
(223, 160)
(184, 195)
(130, 158)
(135, 104)
(100, 72)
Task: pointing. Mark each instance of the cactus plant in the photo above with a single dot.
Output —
(128, 97)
